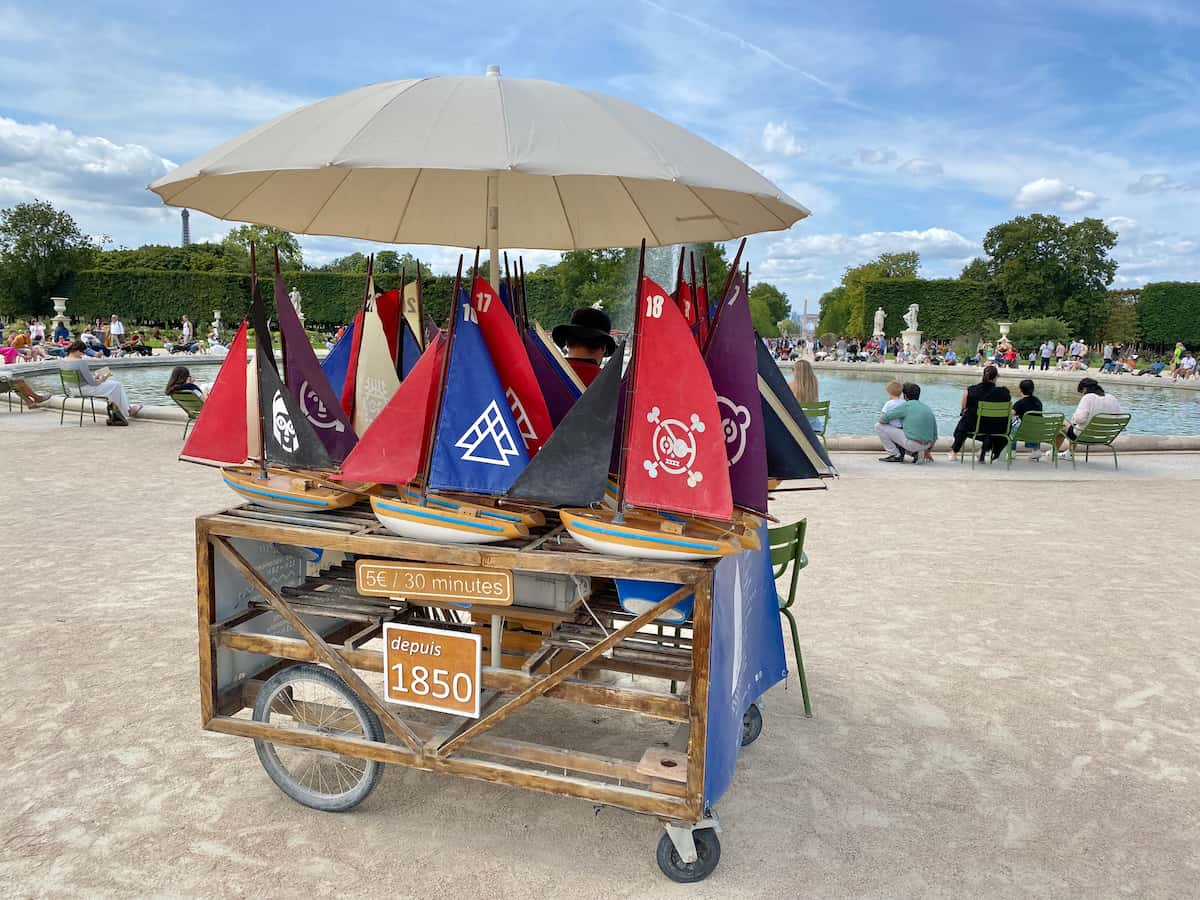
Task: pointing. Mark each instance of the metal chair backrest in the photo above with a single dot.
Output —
(814, 410)
(71, 378)
(189, 403)
(787, 549)
(1103, 428)
(993, 409)
(1039, 428)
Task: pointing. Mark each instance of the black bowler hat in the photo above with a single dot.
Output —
(588, 325)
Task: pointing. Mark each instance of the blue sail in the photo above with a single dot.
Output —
(337, 362)
(410, 350)
(478, 447)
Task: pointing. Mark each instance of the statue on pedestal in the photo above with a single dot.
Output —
(910, 317)
(880, 315)
(294, 296)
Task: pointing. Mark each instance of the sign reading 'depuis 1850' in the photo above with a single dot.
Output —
(432, 669)
(421, 581)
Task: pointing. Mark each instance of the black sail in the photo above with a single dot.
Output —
(572, 467)
(793, 449)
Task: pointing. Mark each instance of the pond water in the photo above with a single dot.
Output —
(856, 396)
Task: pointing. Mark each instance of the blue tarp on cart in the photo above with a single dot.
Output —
(747, 657)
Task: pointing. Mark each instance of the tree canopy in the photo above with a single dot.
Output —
(265, 238)
(842, 308)
(39, 247)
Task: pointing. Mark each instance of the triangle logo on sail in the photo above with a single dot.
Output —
(488, 440)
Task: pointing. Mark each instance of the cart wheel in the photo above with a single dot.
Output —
(708, 854)
(751, 725)
(309, 698)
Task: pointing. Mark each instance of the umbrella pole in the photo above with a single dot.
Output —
(493, 230)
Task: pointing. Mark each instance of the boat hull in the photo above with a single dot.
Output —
(530, 518)
(285, 491)
(438, 525)
(641, 536)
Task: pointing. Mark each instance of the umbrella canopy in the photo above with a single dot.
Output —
(488, 161)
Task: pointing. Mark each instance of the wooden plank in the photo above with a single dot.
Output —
(659, 706)
(536, 690)
(670, 765)
(576, 563)
(205, 616)
(324, 652)
(698, 694)
(624, 797)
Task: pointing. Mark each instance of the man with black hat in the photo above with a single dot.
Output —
(587, 341)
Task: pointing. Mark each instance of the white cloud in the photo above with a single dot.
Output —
(1159, 183)
(934, 243)
(920, 167)
(876, 156)
(777, 138)
(1054, 192)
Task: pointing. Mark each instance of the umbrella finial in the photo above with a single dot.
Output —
(493, 71)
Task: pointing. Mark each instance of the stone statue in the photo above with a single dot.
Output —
(910, 317)
(880, 315)
(294, 296)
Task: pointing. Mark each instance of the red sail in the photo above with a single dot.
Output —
(219, 435)
(676, 450)
(686, 303)
(512, 365)
(388, 304)
(393, 449)
(352, 366)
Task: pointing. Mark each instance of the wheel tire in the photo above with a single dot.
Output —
(708, 854)
(752, 723)
(283, 684)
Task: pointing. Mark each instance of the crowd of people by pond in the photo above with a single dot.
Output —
(1049, 355)
(31, 342)
(908, 428)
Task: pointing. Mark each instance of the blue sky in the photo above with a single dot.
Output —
(900, 125)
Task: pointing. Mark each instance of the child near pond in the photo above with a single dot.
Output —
(894, 400)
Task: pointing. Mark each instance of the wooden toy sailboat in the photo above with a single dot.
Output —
(475, 428)
(672, 463)
(274, 439)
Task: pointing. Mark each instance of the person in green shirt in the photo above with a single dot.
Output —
(916, 432)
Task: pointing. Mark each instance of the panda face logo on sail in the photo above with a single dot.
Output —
(282, 426)
(735, 422)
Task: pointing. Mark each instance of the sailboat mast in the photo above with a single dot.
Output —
(441, 383)
(512, 298)
(420, 310)
(721, 300)
(524, 298)
(262, 422)
(628, 411)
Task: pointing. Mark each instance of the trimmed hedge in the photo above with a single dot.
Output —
(161, 297)
(948, 306)
(1169, 311)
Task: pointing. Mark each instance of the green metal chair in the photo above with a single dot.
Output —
(817, 409)
(8, 389)
(989, 409)
(787, 550)
(70, 378)
(1100, 431)
(190, 404)
(1037, 428)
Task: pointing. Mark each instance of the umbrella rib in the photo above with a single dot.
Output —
(246, 196)
(325, 202)
(412, 189)
(770, 212)
(396, 96)
(645, 221)
(713, 212)
(563, 206)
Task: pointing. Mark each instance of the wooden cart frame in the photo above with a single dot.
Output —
(464, 746)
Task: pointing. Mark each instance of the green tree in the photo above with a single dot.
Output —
(835, 311)
(266, 239)
(39, 247)
(773, 299)
(976, 270)
(885, 266)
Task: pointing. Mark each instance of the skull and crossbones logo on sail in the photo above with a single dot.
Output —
(282, 426)
(674, 447)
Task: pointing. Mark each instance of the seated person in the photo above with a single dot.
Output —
(916, 432)
(120, 410)
(951, 358)
(587, 340)
(93, 346)
(1026, 404)
(136, 346)
(61, 333)
(181, 382)
(992, 429)
(22, 387)
(1093, 401)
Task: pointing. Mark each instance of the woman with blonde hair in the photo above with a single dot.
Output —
(804, 382)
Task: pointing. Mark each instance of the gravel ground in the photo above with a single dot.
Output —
(1005, 669)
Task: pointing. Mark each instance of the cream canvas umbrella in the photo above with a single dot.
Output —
(487, 161)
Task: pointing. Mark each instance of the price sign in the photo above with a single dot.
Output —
(432, 669)
(420, 581)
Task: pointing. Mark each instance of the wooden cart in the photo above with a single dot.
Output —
(277, 591)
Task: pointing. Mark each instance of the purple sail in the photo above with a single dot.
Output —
(732, 364)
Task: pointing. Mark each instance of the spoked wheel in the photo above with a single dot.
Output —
(751, 725)
(314, 700)
(708, 854)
